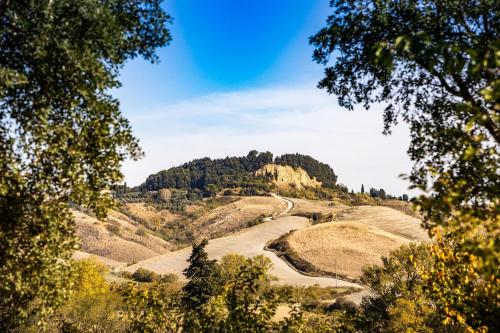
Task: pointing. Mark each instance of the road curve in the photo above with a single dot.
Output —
(249, 242)
(289, 204)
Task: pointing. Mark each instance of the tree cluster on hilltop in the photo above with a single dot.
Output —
(209, 175)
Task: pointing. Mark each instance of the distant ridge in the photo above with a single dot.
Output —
(209, 175)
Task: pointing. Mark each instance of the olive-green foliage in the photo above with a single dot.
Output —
(245, 304)
(145, 275)
(397, 302)
(92, 306)
(231, 264)
(312, 298)
(434, 64)
(335, 322)
(316, 217)
(169, 278)
(248, 308)
(244, 301)
(210, 175)
(62, 136)
(91, 313)
(141, 231)
(114, 229)
(148, 309)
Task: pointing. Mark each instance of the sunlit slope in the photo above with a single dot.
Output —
(386, 219)
(123, 239)
(359, 236)
(116, 238)
(238, 215)
(249, 242)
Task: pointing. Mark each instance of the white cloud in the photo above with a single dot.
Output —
(281, 120)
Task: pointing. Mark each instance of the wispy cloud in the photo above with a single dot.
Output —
(281, 120)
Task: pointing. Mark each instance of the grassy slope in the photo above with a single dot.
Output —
(358, 236)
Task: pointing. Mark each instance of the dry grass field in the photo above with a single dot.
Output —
(387, 219)
(316, 206)
(402, 206)
(235, 216)
(122, 239)
(117, 238)
(151, 214)
(359, 236)
(343, 247)
(249, 242)
(78, 255)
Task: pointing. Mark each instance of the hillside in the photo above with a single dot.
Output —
(358, 236)
(206, 176)
(117, 238)
(353, 238)
(249, 242)
(143, 230)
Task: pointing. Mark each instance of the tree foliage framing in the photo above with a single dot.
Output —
(434, 64)
(62, 136)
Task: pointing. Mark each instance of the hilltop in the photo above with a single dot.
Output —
(205, 177)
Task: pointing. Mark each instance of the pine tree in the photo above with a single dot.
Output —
(204, 277)
(362, 189)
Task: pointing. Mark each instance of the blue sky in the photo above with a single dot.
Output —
(237, 76)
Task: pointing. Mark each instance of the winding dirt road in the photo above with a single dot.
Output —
(249, 242)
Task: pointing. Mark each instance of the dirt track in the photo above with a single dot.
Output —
(249, 242)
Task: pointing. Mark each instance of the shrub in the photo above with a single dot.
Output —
(125, 275)
(141, 231)
(88, 276)
(316, 217)
(256, 221)
(343, 305)
(114, 229)
(169, 278)
(145, 275)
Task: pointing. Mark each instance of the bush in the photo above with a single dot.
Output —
(343, 305)
(169, 278)
(114, 229)
(145, 275)
(141, 231)
(316, 217)
(125, 275)
(256, 221)
(89, 276)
